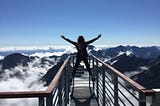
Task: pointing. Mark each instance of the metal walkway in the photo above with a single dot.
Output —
(83, 96)
(111, 88)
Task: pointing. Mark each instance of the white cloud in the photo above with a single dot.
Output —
(13, 48)
(45, 54)
(29, 81)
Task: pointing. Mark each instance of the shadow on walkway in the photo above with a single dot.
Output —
(83, 102)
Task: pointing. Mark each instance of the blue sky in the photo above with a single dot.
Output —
(41, 22)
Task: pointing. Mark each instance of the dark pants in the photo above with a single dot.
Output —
(85, 60)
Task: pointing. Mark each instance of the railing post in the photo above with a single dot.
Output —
(41, 101)
(142, 99)
(49, 100)
(93, 72)
(97, 73)
(66, 86)
(89, 61)
(60, 92)
(115, 82)
(104, 91)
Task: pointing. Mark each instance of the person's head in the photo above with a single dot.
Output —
(81, 39)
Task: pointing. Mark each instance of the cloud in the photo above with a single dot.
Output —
(67, 50)
(13, 48)
(26, 80)
(45, 54)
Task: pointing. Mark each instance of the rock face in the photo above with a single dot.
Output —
(13, 60)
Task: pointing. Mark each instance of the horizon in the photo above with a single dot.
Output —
(27, 23)
(60, 47)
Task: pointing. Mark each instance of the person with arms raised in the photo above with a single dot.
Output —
(82, 55)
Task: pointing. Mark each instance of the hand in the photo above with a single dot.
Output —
(99, 35)
(62, 36)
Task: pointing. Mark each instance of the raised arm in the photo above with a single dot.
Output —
(70, 41)
(92, 40)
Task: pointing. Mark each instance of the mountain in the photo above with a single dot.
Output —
(128, 63)
(20, 66)
(150, 78)
(14, 59)
(142, 52)
(124, 58)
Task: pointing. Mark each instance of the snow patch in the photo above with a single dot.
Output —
(128, 53)
(114, 62)
(144, 68)
(120, 53)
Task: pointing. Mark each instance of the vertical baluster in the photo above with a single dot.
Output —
(66, 85)
(89, 61)
(41, 101)
(142, 99)
(115, 82)
(104, 91)
(97, 76)
(93, 72)
(60, 91)
(49, 100)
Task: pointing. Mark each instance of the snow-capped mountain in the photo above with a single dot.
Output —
(139, 63)
(142, 52)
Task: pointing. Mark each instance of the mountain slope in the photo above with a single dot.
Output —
(128, 63)
(150, 78)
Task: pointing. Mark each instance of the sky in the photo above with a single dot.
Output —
(41, 22)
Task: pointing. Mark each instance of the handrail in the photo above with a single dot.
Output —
(24, 94)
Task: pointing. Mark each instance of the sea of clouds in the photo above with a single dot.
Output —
(29, 75)
(29, 81)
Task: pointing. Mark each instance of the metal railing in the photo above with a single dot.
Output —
(111, 88)
(57, 93)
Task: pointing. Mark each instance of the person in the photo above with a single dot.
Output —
(81, 46)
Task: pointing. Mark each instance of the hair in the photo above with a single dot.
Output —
(80, 39)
